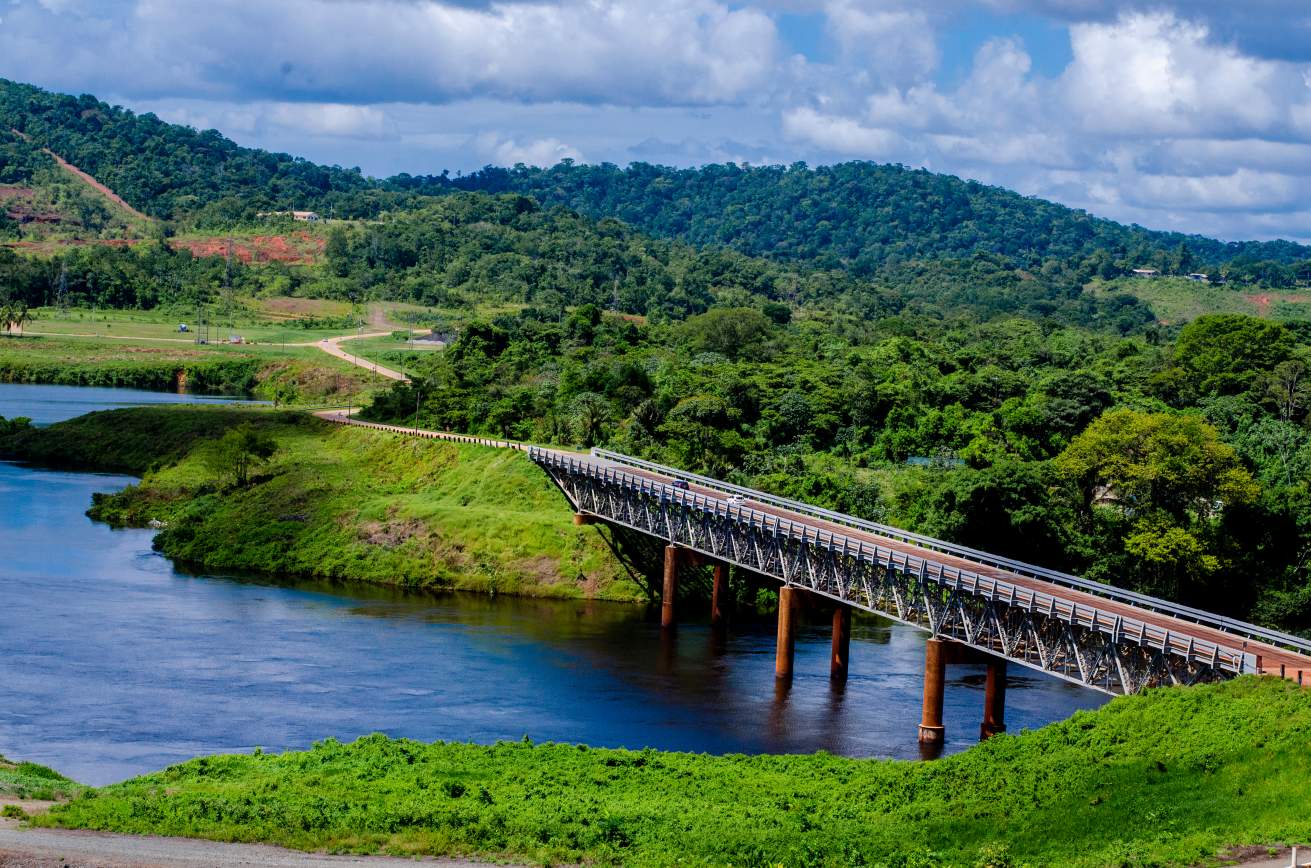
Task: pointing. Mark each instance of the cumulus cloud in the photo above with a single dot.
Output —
(619, 51)
(1188, 114)
(537, 152)
(1154, 115)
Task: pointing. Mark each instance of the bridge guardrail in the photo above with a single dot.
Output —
(1231, 659)
(1155, 604)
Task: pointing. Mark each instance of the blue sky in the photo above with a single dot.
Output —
(1180, 114)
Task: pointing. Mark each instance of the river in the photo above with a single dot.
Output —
(114, 662)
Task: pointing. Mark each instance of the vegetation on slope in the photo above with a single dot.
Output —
(24, 780)
(335, 502)
(1171, 777)
(856, 213)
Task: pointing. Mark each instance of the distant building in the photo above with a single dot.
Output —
(1146, 272)
(302, 216)
(1199, 277)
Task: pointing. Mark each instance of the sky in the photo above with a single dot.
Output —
(1192, 115)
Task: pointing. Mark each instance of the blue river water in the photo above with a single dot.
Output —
(114, 662)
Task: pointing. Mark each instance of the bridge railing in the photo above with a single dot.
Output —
(1231, 626)
(1116, 626)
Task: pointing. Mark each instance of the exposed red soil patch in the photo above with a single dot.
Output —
(13, 191)
(298, 248)
(1264, 300)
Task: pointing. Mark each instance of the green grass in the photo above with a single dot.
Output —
(1177, 300)
(252, 323)
(31, 781)
(338, 503)
(304, 374)
(1172, 777)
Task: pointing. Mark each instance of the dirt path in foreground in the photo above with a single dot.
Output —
(71, 848)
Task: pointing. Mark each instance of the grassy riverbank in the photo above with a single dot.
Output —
(1173, 777)
(335, 502)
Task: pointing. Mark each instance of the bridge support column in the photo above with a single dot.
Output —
(839, 660)
(719, 594)
(932, 732)
(787, 642)
(994, 699)
(581, 519)
(670, 590)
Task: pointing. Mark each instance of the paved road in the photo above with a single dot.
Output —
(68, 848)
(332, 346)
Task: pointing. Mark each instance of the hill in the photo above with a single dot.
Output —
(857, 216)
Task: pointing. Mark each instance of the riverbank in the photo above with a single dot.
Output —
(334, 502)
(1172, 777)
(287, 374)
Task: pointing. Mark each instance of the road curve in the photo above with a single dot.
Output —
(332, 346)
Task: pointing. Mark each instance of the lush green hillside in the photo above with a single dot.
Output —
(856, 214)
(163, 169)
(334, 502)
(1173, 777)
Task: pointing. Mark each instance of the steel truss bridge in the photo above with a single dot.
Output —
(1104, 638)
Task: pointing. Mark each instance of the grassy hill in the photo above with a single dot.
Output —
(336, 503)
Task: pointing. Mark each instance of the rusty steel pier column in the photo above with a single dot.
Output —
(671, 586)
(994, 699)
(718, 594)
(787, 622)
(838, 663)
(932, 732)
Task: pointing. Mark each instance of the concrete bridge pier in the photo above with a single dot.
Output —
(670, 589)
(787, 628)
(718, 595)
(840, 658)
(932, 732)
(994, 699)
(938, 655)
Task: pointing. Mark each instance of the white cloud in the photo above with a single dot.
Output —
(1154, 73)
(537, 152)
(624, 52)
(890, 43)
(841, 135)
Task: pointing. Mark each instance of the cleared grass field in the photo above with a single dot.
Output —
(293, 374)
(1177, 300)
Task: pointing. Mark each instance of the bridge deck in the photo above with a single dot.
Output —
(1270, 657)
